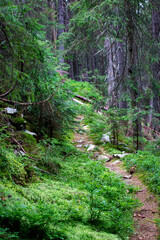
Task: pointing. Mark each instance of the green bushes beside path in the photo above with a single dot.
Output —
(83, 201)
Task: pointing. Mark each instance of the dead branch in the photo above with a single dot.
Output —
(88, 100)
(23, 149)
(34, 103)
(83, 98)
(10, 90)
(18, 144)
(41, 170)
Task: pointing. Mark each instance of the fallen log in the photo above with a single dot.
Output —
(89, 101)
(83, 98)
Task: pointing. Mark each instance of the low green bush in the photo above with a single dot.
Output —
(84, 89)
(83, 193)
(5, 234)
(149, 165)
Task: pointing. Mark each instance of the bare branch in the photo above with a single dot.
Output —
(23, 149)
(10, 90)
(34, 103)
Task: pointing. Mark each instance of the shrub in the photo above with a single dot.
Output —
(148, 164)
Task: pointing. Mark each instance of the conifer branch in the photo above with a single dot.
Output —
(33, 103)
(10, 90)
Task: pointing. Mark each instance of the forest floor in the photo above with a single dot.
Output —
(144, 216)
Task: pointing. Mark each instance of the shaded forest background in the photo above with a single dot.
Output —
(59, 59)
(113, 45)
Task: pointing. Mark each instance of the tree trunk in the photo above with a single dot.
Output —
(61, 20)
(121, 74)
(132, 63)
(51, 31)
(156, 66)
(112, 72)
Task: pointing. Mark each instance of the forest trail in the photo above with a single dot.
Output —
(145, 227)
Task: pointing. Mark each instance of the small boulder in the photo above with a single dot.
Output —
(85, 127)
(79, 146)
(11, 110)
(106, 137)
(19, 152)
(80, 141)
(116, 162)
(18, 122)
(31, 133)
(122, 155)
(103, 157)
(91, 147)
(127, 176)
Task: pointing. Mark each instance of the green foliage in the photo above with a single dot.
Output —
(82, 232)
(6, 234)
(104, 194)
(153, 147)
(100, 124)
(28, 60)
(83, 194)
(18, 122)
(97, 124)
(85, 89)
(148, 164)
(12, 167)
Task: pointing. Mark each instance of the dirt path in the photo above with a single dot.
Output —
(145, 227)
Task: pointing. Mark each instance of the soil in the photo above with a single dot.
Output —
(144, 216)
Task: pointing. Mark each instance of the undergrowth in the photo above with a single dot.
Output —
(80, 201)
(100, 124)
(148, 164)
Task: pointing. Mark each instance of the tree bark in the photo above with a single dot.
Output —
(61, 20)
(156, 66)
(132, 63)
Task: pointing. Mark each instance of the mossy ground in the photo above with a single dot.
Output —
(62, 193)
(82, 201)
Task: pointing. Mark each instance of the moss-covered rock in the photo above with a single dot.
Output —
(18, 122)
(11, 167)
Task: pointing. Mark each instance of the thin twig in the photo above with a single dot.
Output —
(23, 149)
(10, 90)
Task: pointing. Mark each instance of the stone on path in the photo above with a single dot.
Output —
(105, 137)
(116, 162)
(122, 155)
(103, 157)
(86, 145)
(80, 141)
(79, 146)
(91, 147)
(127, 176)
(85, 127)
